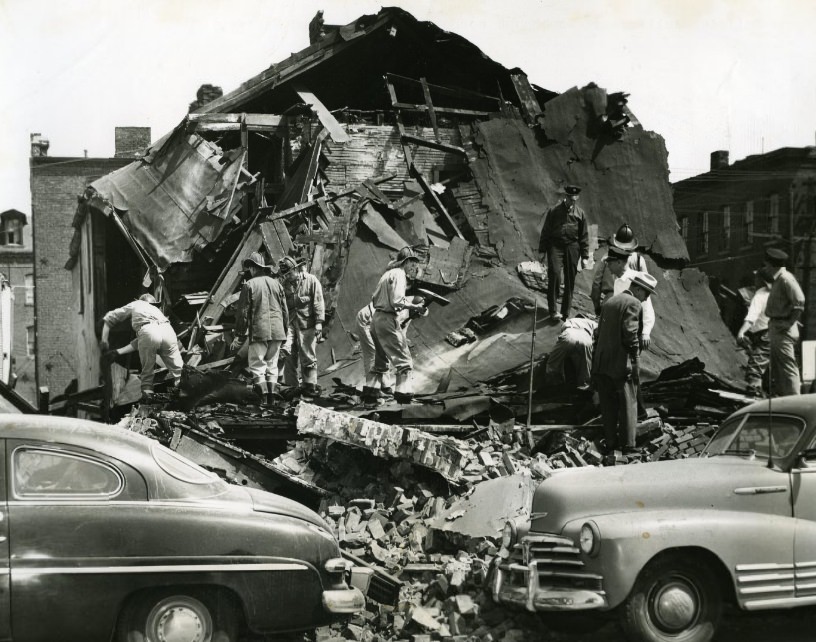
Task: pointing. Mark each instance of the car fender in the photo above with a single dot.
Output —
(628, 541)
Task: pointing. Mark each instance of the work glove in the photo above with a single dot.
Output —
(236, 344)
(108, 356)
(319, 332)
(586, 264)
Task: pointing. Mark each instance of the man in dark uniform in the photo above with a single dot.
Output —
(564, 239)
(616, 360)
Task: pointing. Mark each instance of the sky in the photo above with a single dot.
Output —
(705, 74)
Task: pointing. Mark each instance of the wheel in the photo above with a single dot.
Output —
(574, 623)
(173, 616)
(674, 599)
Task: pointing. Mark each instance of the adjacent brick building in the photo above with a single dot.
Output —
(729, 215)
(17, 268)
(60, 294)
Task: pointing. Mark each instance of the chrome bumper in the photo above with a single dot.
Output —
(534, 597)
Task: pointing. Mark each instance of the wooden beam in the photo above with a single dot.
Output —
(529, 104)
(232, 122)
(429, 103)
(435, 198)
(442, 110)
(448, 91)
(338, 134)
(444, 147)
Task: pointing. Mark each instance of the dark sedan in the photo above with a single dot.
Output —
(105, 534)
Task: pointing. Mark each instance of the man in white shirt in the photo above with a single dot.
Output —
(753, 334)
(616, 262)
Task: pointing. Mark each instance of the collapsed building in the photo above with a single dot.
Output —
(384, 133)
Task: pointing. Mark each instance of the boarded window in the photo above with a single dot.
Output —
(726, 229)
(703, 238)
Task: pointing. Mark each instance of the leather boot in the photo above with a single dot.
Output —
(272, 397)
(260, 390)
(370, 397)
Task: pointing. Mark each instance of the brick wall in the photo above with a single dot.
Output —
(131, 142)
(15, 265)
(55, 185)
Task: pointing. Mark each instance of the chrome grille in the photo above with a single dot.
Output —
(557, 562)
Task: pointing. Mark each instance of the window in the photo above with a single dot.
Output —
(30, 345)
(704, 233)
(751, 436)
(684, 229)
(726, 228)
(749, 223)
(40, 472)
(773, 214)
(12, 232)
(29, 289)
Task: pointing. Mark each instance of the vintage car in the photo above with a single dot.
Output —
(108, 535)
(661, 546)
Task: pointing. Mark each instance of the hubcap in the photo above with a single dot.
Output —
(675, 605)
(179, 619)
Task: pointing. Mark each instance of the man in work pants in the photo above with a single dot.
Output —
(753, 333)
(564, 239)
(573, 346)
(615, 361)
(262, 318)
(390, 342)
(154, 336)
(307, 315)
(785, 305)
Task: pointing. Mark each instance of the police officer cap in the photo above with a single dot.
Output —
(775, 256)
(572, 190)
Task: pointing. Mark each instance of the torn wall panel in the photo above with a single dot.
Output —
(376, 150)
(178, 199)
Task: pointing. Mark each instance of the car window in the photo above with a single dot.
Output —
(756, 433)
(182, 469)
(39, 473)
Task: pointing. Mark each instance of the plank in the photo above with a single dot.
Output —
(426, 91)
(529, 104)
(338, 134)
(433, 144)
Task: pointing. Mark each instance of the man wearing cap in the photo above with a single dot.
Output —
(307, 316)
(616, 361)
(564, 239)
(573, 346)
(785, 305)
(753, 333)
(390, 341)
(603, 281)
(262, 318)
(154, 336)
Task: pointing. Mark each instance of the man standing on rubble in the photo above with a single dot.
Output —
(785, 305)
(564, 240)
(154, 336)
(617, 263)
(603, 281)
(307, 316)
(616, 361)
(262, 319)
(390, 341)
(753, 334)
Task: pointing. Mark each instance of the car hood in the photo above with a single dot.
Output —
(696, 484)
(265, 502)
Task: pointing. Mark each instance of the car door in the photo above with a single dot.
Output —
(803, 477)
(5, 579)
(70, 518)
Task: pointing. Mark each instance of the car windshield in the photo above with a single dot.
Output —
(751, 435)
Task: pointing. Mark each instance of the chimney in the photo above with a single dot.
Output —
(719, 159)
(205, 94)
(131, 142)
(39, 145)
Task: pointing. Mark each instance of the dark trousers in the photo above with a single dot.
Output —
(561, 260)
(618, 400)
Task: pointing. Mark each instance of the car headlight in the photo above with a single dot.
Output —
(509, 534)
(589, 539)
